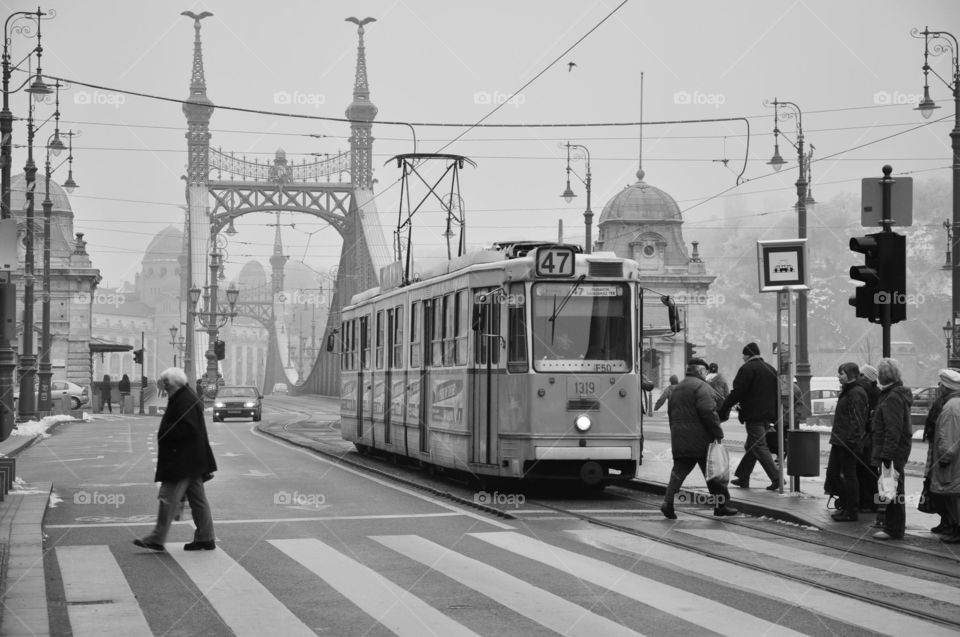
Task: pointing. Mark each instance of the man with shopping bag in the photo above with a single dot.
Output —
(694, 424)
(892, 438)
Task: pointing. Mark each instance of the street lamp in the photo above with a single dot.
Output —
(44, 403)
(568, 195)
(948, 44)
(7, 287)
(804, 196)
(212, 319)
(175, 343)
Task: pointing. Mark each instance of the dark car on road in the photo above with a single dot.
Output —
(237, 401)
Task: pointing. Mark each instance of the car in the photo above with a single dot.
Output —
(922, 399)
(237, 401)
(79, 396)
(280, 388)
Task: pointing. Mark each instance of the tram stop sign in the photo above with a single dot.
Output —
(782, 264)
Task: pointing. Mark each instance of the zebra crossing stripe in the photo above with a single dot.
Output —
(401, 612)
(860, 614)
(833, 564)
(541, 606)
(242, 602)
(701, 611)
(99, 600)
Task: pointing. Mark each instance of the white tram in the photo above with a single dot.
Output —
(518, 361)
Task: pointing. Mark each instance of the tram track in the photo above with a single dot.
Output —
(850, 546)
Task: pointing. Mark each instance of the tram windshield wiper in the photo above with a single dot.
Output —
(563, 302)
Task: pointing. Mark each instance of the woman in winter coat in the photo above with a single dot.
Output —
(943, 458)
(892, 438)
(846, 441)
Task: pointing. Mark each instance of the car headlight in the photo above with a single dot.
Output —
(219, 405)
(582, 423)
(249, 404)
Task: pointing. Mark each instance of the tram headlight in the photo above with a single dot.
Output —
(583, 423)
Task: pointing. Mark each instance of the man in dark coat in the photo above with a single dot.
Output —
(693, 426)
(184, 461)
(866, 474)
(755, 389)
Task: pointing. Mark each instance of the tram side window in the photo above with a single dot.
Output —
(517, 330)
(415, 334)
(487, 343)
(364, 342)
(436, 339)
(461, 322)
(344, 350)
(379, 344)
(449, 330)
(397, 357)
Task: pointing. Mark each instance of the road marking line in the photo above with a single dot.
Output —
(543, 607)
(99, 600)
(243, 603)
(689, 607)
(482, 518)
(332, 518)
(852, 611)
(838, 565)
(391, 605)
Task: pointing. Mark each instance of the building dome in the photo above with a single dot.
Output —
(166, 245)
(641, 202)
(18, 195)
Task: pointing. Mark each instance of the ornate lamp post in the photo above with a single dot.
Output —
(7, 289)
(54, 147)
(948, 336)
(212, 319)
(176, 344)
(568, 195)
(944, 42)
(804, 196)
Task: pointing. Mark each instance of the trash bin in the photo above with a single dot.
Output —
(804, 457)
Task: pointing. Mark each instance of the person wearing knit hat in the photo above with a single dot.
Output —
(755, 389)
(943, 458)
(866, 474)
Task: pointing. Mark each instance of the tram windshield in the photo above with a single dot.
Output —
(581, 327)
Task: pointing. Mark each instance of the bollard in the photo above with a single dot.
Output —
(804, 457)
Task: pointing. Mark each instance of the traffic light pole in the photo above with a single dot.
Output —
(886, 219)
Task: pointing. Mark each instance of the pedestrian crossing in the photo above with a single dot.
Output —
(584, 582)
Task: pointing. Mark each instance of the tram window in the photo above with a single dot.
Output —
(436, 339)
(449, 330)
(379, 345)
(487, 343)
(397, 337)
(364, 342)
(461, 323)
(415, 334)
(517, 330)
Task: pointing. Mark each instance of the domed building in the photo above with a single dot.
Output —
(73, 281)
(644, 223)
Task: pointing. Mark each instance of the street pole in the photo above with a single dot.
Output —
(568, 196)
(926, 108)
(28, 357)
(143, 385)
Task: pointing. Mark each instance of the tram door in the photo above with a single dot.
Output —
(485, 374)
(425, 336)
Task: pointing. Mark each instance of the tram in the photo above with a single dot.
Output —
(518, 361)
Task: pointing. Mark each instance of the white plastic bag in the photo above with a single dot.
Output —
(718, 463)
(887, 484)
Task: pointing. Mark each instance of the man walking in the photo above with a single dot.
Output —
(184, 461)
(693, 426)
(755, 390)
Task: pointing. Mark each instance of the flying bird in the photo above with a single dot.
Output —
(570, 66)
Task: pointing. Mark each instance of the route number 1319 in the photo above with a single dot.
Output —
(555, 262)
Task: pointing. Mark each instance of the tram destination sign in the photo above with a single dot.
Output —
(583, 289)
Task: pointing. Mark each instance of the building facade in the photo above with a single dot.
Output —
(644, 223)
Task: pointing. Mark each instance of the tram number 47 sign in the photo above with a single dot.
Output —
(557, 261)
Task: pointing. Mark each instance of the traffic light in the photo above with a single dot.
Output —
(884, 275)
(220, 349)
(673, 314)
(138, 356)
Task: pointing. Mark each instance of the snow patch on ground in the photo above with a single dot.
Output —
(40, 427)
